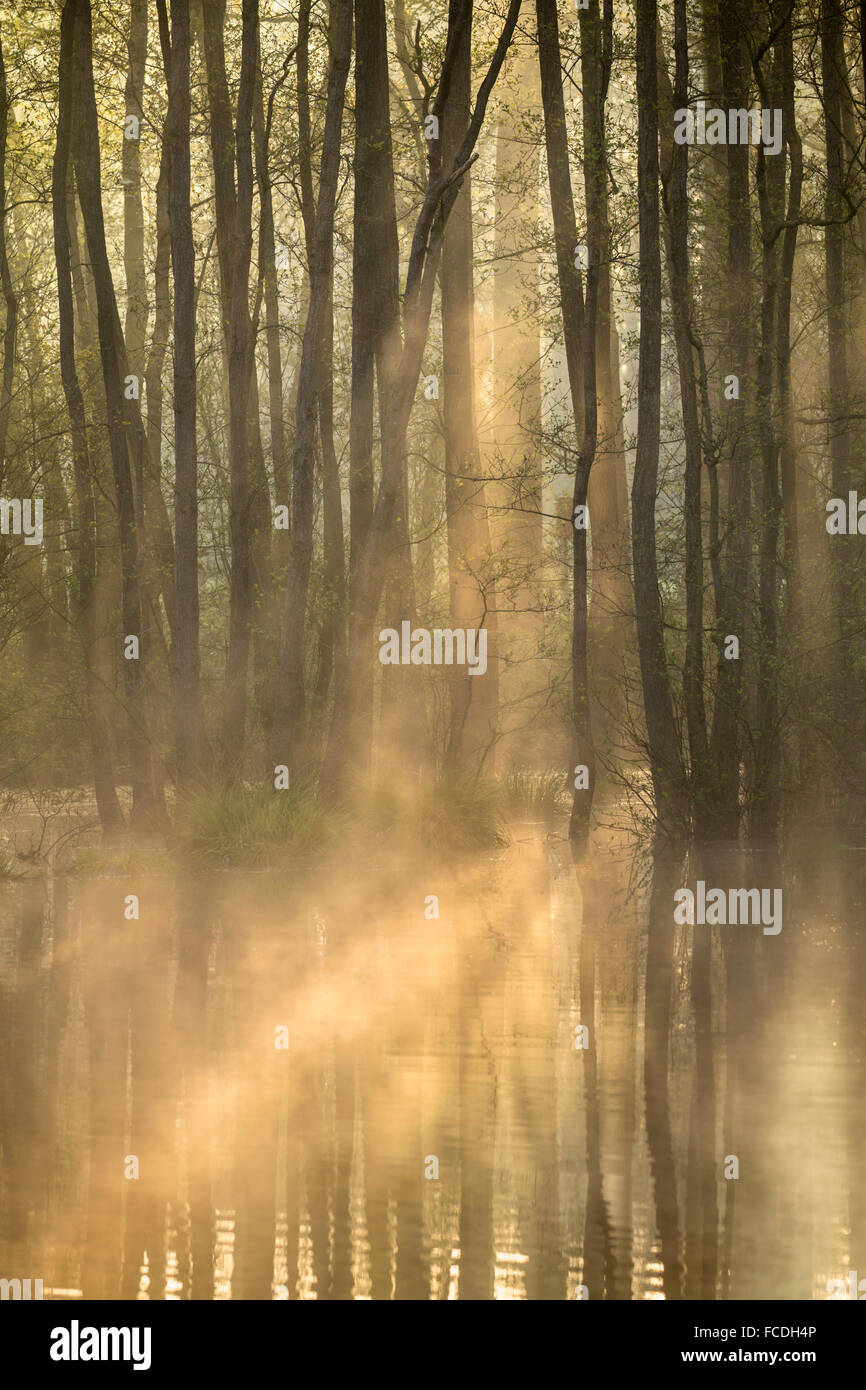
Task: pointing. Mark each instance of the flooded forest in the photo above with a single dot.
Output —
(433, 631)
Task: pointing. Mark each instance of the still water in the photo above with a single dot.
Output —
(308, 1086)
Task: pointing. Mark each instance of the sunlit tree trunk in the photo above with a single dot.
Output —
(232, 157)
(515, 421)
(346, 742)
(287, 739)
(375, 298)
(472, 597)
(578, 323)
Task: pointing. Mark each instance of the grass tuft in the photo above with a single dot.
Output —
(535, 795)
(255, 827)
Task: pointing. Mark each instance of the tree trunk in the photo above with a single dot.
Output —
(676, 201)
(472, 728)
(110, 813)
(842, 548)
(662, 739)
(375, 297)
(287, 743)
(9, 298)
(732, 607)
(347, 736)
(515, 448)
(230, 147)
(85, 153)
(133, 213)
(187, 692)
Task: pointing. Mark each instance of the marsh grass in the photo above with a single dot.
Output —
(534, 795)
(256, 827)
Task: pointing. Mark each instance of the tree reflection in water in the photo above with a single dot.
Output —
(302, 1171)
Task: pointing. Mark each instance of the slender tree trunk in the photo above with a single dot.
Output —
(662, 738)
(577, 324)
(107, 802)
(775, 313)
(262, 122)
(609, 621)
(676, 201)
(88, 177)
(472, 600)
(133, 212)
(287, 737)
(347, 736)
(162, 304)
(515, 425)
(155, 555)
(788, 448)
(732, 607)
(11, 325)
(187, 692)
(232, 147)
(375, 299)
(842, 472)
(333, 634)
(239, 368)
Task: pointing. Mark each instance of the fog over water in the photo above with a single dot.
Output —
(435, 1126)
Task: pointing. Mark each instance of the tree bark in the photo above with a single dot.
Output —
(733, 606)
(838, 394)
(676, 202)
(232, 154)
(85, 154)
(108, 805)
(662, 739)
(472, 728)
(287, 742)
(187, 691)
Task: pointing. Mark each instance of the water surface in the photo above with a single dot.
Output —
(432, 1130)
